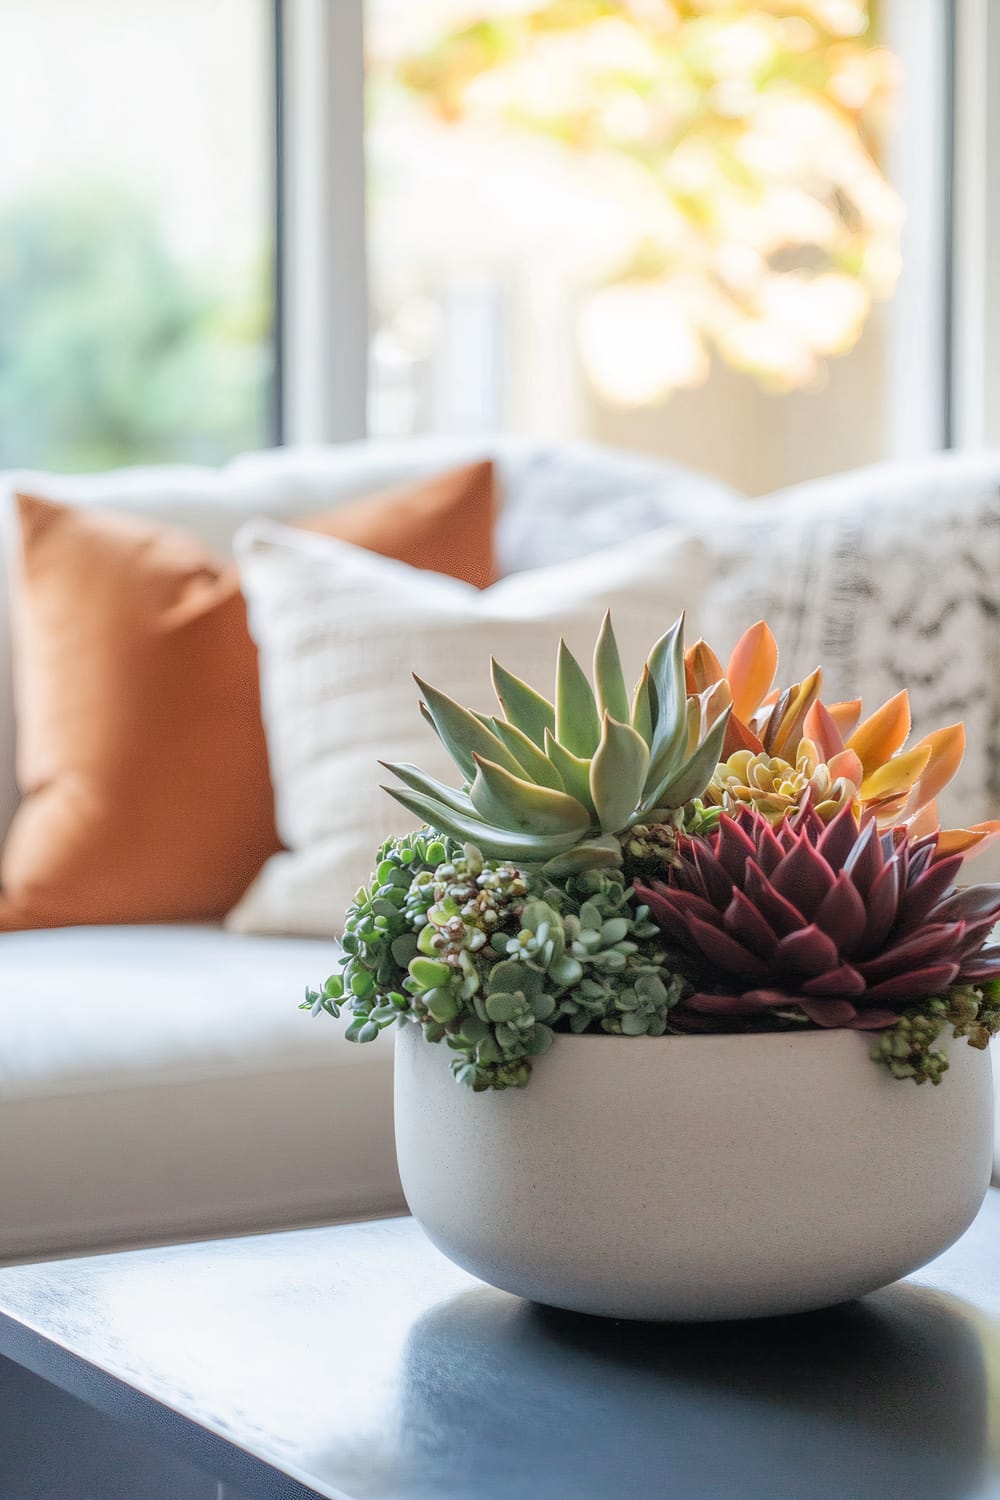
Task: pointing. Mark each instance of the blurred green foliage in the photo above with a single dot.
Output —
(113, 350)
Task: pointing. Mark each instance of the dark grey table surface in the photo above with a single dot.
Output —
(357, 1362)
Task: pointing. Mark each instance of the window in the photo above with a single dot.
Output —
(668, 224)
(714, 230)
(136, 230)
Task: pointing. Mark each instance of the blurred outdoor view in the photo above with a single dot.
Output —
(649, 221)
(659, 223)
(135, 231)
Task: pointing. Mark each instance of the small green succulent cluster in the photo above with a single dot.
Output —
(491, 960)
(907, 1049)
(628, 981)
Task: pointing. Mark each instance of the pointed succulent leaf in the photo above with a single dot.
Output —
(461, 733)
(690, 779)
(533, 762)
(751, 668)
(641, 717)
(845, 766)
(617, 774)
(609, 679)
(668, 692)
(418, 781)
(495, 843)
(713, 701)
(925, 821)
(845, 715)
(697, 722)
(740, 736)
(702, 668)
(573, 769)
(821, 728)
(578, 728)
(604, 853)
(427, 716)
(509, 802)
(896, 776)
(787, 718)
(665, 766)
(882, 733)
(962, 840)
(947, 748)
(522, 706)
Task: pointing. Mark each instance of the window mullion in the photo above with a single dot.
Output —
(324, 323)
(977, 225)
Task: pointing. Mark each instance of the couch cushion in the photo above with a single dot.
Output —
(140, 753)
(159, 1081)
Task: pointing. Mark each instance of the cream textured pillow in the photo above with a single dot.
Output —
(339, 633)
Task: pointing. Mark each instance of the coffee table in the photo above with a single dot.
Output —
(357, 1362)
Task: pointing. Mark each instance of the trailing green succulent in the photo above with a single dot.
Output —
(490, 959)
(907, 1048)
(557, 783)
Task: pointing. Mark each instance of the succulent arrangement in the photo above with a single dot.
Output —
(705, 853)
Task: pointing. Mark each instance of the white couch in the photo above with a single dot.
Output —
(158, 1082)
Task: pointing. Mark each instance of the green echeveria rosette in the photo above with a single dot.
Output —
(562, 783)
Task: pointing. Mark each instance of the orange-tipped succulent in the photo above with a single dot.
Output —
(786, 748)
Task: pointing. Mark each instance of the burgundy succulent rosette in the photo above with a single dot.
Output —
(845, 926)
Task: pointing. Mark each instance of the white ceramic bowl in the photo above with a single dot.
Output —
(695, 1177)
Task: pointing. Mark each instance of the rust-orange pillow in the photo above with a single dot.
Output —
(141, 754)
